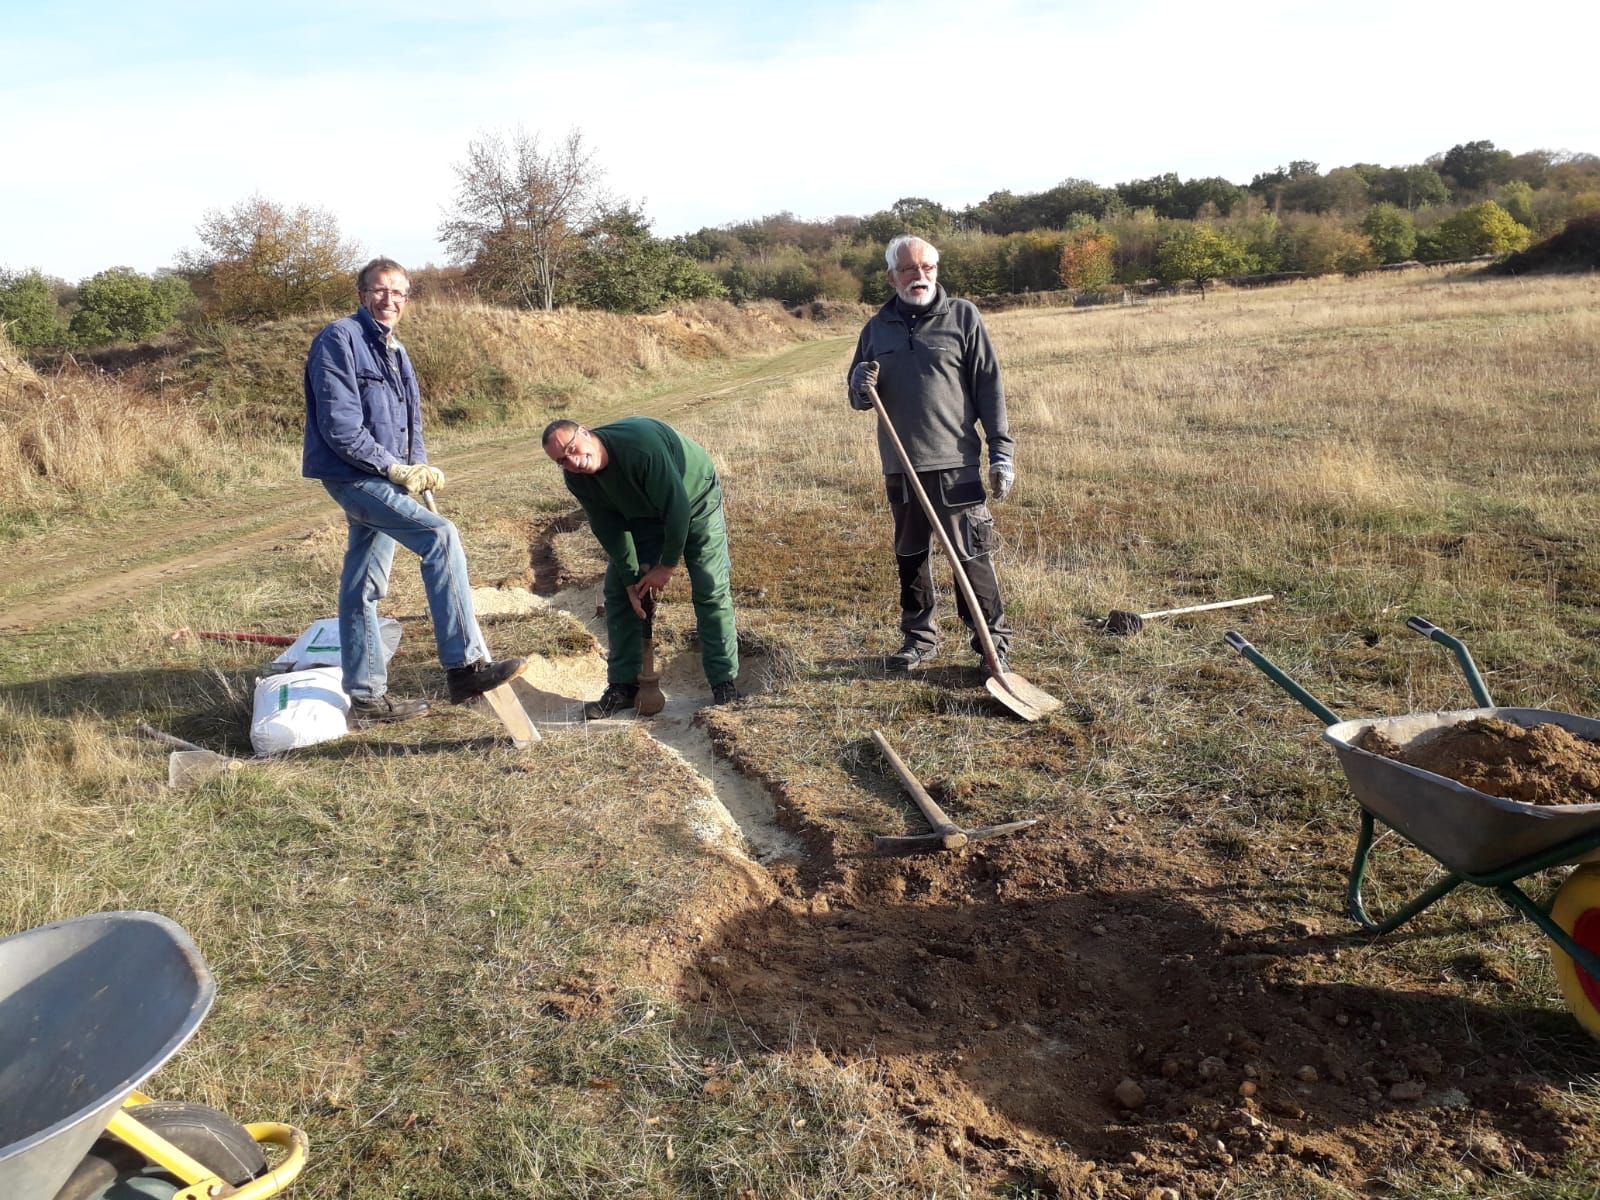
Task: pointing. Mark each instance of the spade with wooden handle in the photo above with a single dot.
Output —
(1012, 690)
(501, 701)
(649, 701)
(189, 764)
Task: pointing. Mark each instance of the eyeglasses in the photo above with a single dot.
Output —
(566, 451)
(390, 293)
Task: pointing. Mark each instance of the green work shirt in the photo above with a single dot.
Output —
(652, 473)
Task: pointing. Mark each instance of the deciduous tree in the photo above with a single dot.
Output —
(1482, 229)
(520, 213)
(28, 312)
(1411, 188)
(260, 261)
(622, 268)
(121, 305)
(1473, 166)
(1199, 253)
(1088, 260)
(1391, 232)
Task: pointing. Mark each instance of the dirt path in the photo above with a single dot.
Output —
(75, 571)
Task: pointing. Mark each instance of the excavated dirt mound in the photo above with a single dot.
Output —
(1539, 764)
(1067, 1009)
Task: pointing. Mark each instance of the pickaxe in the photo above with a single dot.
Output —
(946, 835)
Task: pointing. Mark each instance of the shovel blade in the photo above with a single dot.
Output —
(504, 705)
(191, 768)
(1021, 697)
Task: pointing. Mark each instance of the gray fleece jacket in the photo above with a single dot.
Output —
(937, 378)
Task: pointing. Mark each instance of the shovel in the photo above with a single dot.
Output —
(1016, 693)
(1119, 621)
(189, 765)
(501, 701)
(649, 700)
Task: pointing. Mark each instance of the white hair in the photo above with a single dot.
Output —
(891, 252)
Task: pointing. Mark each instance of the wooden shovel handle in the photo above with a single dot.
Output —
(979, 625)
(951, 835)
(166, 739)
(1193, 608)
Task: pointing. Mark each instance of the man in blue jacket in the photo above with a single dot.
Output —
(364, 442)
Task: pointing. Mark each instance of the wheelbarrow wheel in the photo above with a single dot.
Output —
(113, 1170)
(1577, 911)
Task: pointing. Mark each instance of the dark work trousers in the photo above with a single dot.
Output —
(958, 499)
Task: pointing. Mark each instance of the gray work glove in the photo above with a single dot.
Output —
(1002, 475)
(863, 375)
(416, 478)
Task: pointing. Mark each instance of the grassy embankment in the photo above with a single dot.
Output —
(462, 970)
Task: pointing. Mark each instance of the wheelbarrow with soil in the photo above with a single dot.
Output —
(89, 1009)
(1484, 840)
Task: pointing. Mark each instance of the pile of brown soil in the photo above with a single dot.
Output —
(1538, 764)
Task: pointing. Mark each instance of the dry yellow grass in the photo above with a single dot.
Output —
(227, 409)
(410, 925)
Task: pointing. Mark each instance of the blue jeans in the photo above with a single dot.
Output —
(381, 514)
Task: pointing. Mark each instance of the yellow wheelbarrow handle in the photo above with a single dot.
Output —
(202, 1184)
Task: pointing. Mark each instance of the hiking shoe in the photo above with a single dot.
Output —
(725, 693)
(910, 655)
(385, 709)
(475, 679)
(1000, 657)
(616, 698)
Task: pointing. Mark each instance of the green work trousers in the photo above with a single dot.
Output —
(705, 557)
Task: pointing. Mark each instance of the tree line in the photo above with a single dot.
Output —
(1472, 199)
(532, 225)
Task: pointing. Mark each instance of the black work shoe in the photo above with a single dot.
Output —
(910, 655)
(725, 693)
(385, 709)
(475, 679)
(616, 698)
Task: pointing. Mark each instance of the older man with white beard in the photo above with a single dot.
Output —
(930, 359)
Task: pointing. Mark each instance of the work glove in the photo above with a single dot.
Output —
(1001, 476)
(416, 478)
(863, 375)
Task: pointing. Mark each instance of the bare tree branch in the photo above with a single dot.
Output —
(520, 212)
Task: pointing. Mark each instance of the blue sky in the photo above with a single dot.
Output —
(122, 124)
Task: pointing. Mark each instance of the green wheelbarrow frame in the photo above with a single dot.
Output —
(1483, 840)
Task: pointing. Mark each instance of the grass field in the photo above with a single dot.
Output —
(467, 971)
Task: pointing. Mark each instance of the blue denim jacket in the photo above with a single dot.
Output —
(363, 406)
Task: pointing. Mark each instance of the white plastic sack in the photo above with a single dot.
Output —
(318, 646)
(300, 708)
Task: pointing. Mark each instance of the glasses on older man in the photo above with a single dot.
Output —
(390, 293)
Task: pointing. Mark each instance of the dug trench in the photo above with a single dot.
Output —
(1073, 1009)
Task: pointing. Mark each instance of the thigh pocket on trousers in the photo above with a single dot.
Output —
(961, 487)
(975, 527)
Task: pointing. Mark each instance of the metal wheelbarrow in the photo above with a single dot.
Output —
(1479, 839)
(89, 1008)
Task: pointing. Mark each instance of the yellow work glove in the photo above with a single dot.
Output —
(416, 478)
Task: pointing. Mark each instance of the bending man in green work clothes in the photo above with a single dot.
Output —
(653, 501)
